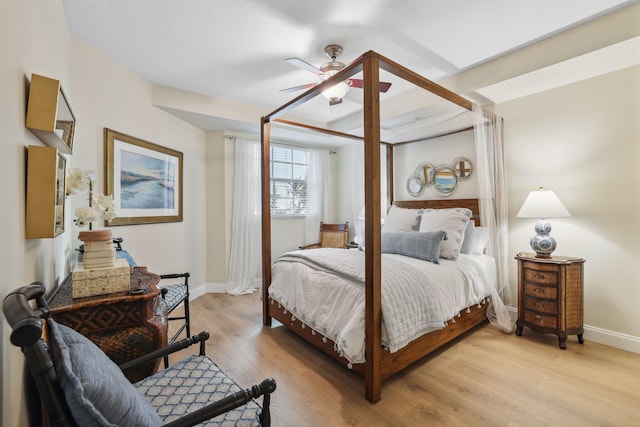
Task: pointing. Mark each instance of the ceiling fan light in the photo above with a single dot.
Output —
(336, 91)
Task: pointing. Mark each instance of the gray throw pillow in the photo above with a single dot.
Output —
(96, 390)
(414, 244)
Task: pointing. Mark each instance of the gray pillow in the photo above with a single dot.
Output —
(96, 390)
(414, 244)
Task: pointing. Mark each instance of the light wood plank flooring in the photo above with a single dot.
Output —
(487, 378)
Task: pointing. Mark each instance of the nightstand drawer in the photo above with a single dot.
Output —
(546, 292)
(540, 276)
(541, 305)
(541, 319)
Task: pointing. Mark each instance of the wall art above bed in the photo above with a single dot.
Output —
(442, 179)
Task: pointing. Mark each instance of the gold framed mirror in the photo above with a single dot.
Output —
(49, 115)
(445, 180)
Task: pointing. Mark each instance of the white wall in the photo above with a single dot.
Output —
(34, 39)
(219, 165)
(582, 141)
(107, 95)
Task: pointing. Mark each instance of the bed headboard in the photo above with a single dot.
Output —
(471, 204)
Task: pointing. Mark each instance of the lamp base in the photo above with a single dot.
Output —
(542, 243)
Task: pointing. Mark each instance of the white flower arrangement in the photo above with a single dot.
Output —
(100, 205)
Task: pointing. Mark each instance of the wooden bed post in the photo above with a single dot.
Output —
(373, 290)
(265, 135)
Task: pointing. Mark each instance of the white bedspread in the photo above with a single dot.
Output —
(324, 288)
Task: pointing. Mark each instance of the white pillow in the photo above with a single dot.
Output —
(453, 222)
(480, 240)
(402, 219)
(467, 237)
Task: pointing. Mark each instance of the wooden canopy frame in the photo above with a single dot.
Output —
(378, 366)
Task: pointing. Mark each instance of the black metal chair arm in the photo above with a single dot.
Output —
(228, 403)
(175, 275)
(169, 349)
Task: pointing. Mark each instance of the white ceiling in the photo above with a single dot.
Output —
(236, 49)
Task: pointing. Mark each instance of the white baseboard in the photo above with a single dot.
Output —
(207, 288)
(604, 336)
(612, 339)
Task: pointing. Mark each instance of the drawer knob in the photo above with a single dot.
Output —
(538, 317)
(538, 291)
(538, 276)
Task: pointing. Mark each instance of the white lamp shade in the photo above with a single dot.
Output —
(542, 204)
(336, 91)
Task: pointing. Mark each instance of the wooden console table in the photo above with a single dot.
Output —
(125, 325)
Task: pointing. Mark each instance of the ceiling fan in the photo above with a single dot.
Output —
(335, 93)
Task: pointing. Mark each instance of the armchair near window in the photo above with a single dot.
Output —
(331, 236)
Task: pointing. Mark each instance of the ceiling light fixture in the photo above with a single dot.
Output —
(336, 92)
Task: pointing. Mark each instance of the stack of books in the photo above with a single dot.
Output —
(99, 272)
(98, 249)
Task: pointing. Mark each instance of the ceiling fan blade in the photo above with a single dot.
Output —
(384, 86)
(295, 88)
(335, 101)
(297, 62)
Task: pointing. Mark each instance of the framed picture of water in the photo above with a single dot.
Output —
(144, 178)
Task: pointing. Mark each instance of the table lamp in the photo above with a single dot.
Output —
(543, 204)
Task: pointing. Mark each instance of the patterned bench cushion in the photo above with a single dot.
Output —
(175, 295)
(189, 385)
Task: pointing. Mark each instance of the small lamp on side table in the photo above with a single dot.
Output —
(543, 204)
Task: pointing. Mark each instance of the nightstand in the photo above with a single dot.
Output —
(550, 296)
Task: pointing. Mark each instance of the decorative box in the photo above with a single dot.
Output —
(99, 281)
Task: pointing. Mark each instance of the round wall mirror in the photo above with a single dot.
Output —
(415, 185)
(462, 168)
(422, 176)
(444, 180)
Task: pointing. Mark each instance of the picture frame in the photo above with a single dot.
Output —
(144, 178)
(45, 195)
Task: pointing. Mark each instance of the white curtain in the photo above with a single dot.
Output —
(245, 263)
(493, 207)
(357, 190)
(319, 194)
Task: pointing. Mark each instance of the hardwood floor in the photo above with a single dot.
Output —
(485, 379)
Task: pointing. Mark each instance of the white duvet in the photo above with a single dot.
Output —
(324, 288)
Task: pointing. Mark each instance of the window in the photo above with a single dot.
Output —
(289, 172)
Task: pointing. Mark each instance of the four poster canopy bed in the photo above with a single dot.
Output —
(383, 295)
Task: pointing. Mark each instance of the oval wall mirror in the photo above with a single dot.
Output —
(462, 168)
(444, 180)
